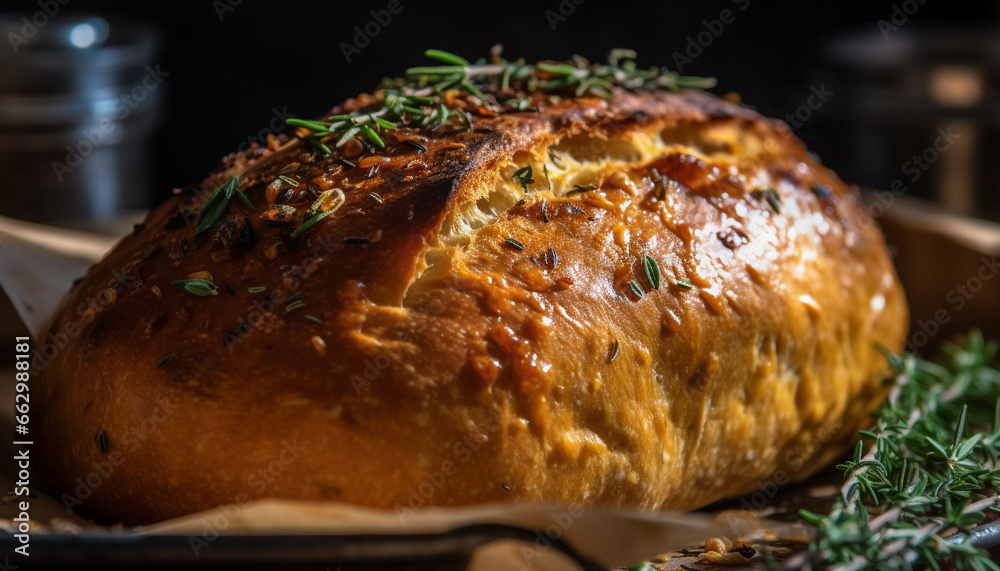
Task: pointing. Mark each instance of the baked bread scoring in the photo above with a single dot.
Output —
(653, 300)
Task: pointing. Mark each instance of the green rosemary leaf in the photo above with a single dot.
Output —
(636, 288)
(371, 135)
(297, 304)
(918, 489)
(196, 287)
(652, 271)
(580, 188)
(446, 57)
(216, 204)
(311, 220)
(257, 289)
(307, 123)
(524, 176)
(376, 196)
(684, 284)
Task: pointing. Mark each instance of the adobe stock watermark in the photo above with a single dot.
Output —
(697, 43)
(274, 126)
(914, 168)
(900, 16)
(131, 440)
(796, 459)
(94, 135)
(364, 34)
(224, 7)
(814, 102)
(435, 479)
(259, 482)
(564, 10)
(31, 25)
(262, 310)
(957, 297)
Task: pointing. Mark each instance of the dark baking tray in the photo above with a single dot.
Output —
(439, 552)
(117, 551)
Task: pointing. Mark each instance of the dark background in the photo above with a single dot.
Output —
(228, 73)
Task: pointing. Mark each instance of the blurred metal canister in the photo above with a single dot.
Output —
(919, 110)
(79, 98)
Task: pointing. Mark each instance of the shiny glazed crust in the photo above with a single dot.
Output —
(468, 336)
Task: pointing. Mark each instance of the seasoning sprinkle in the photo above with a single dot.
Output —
(376, 197)
(770, 196)
(615, 349)
(297, 304)
(166, 360)
(420, 148)
(524, 176)
(101, 439)
(514, 243)
(684, 284)
(635, 287)
(545, 210)
(196, 287)
(652, 271)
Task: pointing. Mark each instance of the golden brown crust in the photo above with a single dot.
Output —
(453, 367)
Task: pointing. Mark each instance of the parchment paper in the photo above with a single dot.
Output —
(37, 267)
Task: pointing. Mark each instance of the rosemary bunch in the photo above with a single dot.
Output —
(420, 98)
(931, 472)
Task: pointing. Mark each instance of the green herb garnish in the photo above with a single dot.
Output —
(932, 473)
(376, 197)
(545, 210)
(217, 202)
(636, 288)
(297, 304)
(524, 176)
(684, 284)
(257, 289)
(196, 287)
(314, 319)
(652, 271)
(316, 213)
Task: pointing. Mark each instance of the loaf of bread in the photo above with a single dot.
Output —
(653, 300)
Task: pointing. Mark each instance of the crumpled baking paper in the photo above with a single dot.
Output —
(37, 267)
